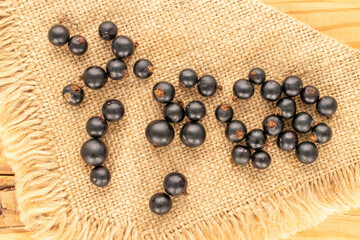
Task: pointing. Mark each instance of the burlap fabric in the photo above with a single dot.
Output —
(40, 135)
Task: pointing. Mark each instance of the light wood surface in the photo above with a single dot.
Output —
(339, 19)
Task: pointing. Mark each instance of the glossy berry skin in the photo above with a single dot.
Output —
(224, 113)
(235, 131)
(159, 133)
(73, 94)
(94, 152)
(160, 203)
(96, 126)
(143, 68)
(78, 45)
(100, 176)
(309, 94)
(188, 78)
(256, 139)
(193, 134)
(260, 159)
(207, 85)
(327, 106)
(163, 92)
(271, 90)
(321, 133)
(240, 155)
(307, 152)
(116, 69)
(302, 122)
(243, 89)
(195, 110)
(113, 110)
(122, 47)
(174, 112)
(108, 30)
(285, 108)
(175, 184)
(95, 77)
(292, 86)
(257, 76)
(287, 140)
(58, 35)
(273, 125)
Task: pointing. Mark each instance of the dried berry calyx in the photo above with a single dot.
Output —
(159, 93)
(271, 124)
(224, 107)
(80, 40)
(239, 134)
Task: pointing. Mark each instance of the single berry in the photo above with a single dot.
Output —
(163, 92)
(73, 94)
(122, 47)
(309, 94)
(108, 30)
(207, 85)
(287, 140)
(257, 76)
(240, 155)
(195, 110)
(302, 122)
(160, 203)
(321, 133)
(224, 113)
(235, 131)
(58, 35)
(143, 68)
(188, 78)
(175, 184)
(100, 176)
(95, 77)
(96, 126)
(78, 45)
(327, 106)
(243, 89)
(273, 125)
(159, 133)
(256, 139)
(193, 134)
(174, 112)
(271, 90)
(292, 86)
(307, 152)
(285, 108)
(113, 110)
(260, 159)
(94, 152)
(116, 69)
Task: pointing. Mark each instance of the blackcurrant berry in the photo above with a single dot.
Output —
(108, 30)
(58, 35)
(143, 68)
(260, 159)
(116, 69)
(321, 133)
(207, 85)
(287, 140)
(292, 86)
(256, 139)
(224, 113)
(195, 110)
(174, 112)
(100, 176)
(243, 89)
(309, 94)
(122, 47)
(257, 76)
(240, 155)
(188, 78)
(235, 131)
(159, 133)
(96, 126)
(95, 77)
(73, 94)
(175, 184)
(302, 122)
(307, 152)
(78, 45)
(163, 92)
(271, 90)
(160, 203)
(327, 106)
(193, 134)
(113, 110)
(285, 108)
(273, 125)
(94, 152)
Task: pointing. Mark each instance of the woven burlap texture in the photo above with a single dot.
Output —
(40, 135)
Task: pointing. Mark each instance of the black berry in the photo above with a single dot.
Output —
(100, 176)
(174, 112)
(321, 133)
(327, 106)
(309, 94)
(58, 35)
(94, 152)
(159, 133)
(256, 139)
(271, 90)
(78, 45)
(122, 47)
(273, 125)
(113, 110)
(95, 77)
(287, 140)
(285, 108)
(257, 76)
(243, 89)
(73, 94)
(96, 126)
(108, 30)
(240, 155)
(235, 131)
(302, 122)
(175, 184)
(188, 78)
(163, 92)
(207, 85)
(195, 110)
(292, 86)
(224, 113)
(193, 134)
(260, 159)
(160, 203)
(116, 69)
(307, 152)
(143, 68)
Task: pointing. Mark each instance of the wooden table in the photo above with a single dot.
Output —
(339, 19)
